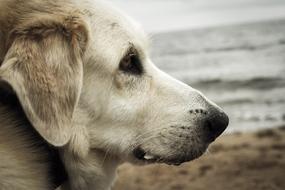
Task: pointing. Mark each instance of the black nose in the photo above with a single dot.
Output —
(215, 124)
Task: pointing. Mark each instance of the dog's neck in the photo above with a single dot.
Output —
(94, 172)
(88, 168)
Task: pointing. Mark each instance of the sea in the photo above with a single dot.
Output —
(240, 67)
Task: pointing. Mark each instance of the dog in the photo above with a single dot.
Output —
(26, 161)
(84, 82)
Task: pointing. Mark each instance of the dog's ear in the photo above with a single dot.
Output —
(44, 68)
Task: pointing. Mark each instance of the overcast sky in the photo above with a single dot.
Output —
(165, 15)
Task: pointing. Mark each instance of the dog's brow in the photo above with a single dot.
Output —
(146, 42)
(141, 48)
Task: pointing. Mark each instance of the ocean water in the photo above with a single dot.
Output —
(240, 67)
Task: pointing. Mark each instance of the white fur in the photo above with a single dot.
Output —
(115, 118)
(118, 112)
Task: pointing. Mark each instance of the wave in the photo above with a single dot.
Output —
(261, 117)
(258, 83)
(242, 47)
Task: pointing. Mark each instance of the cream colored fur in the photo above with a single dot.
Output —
(23, 163)
(62, 60)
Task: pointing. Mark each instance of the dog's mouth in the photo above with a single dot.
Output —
(149, 158)
(142, 155)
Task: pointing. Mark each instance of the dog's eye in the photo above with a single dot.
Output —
(131, 64)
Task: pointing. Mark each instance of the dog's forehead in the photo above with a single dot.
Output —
(110, 25)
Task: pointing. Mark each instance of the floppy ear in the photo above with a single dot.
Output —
(44, 68)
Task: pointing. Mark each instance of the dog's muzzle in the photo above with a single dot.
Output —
(208, 125)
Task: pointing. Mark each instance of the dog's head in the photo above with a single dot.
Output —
(85, 78)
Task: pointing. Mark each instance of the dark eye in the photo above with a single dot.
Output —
(131, 64)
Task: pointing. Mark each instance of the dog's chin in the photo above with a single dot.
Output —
(143, 157)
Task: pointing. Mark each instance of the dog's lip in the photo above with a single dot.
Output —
(140, 154)
(149, 158)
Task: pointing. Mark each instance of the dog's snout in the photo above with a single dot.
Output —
(215, 124)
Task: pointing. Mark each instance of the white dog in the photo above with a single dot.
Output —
(83, 76)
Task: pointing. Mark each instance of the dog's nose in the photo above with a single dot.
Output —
(212, 122)
(215, 124)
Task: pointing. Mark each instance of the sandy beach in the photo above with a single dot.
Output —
(239, 161)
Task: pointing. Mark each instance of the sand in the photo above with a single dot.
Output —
(252, 161)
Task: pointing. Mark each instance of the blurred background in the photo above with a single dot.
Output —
(234, 52)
